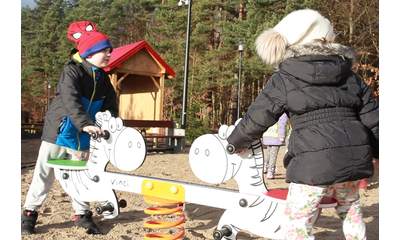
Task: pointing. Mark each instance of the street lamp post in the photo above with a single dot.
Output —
(185, 82)
(240, 48)
(48, 95)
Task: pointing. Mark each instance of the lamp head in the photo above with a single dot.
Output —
(180, 2)
(240, 46)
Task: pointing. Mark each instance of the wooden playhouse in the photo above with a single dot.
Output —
(138, 73)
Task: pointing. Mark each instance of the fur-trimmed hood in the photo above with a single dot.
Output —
(318, 64)
(317, 48)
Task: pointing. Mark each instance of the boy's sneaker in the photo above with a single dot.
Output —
(86, 221)
(28, 222)
(270, 176)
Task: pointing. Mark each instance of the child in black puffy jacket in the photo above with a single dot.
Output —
(334, 120)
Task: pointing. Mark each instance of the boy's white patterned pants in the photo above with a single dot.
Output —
(43, 177)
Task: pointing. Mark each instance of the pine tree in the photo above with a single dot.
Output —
(40, 37)
(215, 29)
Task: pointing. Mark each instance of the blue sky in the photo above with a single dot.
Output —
(30, 3)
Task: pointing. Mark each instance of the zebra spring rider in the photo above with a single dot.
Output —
(123, 147)
(253, 211)
(258, 210)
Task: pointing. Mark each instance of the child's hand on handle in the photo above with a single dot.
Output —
(93, 129)
(230, 149)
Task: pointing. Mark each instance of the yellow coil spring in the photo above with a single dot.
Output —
(164, 224)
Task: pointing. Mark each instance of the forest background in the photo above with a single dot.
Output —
(216, 27)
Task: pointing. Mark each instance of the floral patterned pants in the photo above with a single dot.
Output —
(302, 202)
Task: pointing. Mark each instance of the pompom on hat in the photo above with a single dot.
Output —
(299, 27)
(88, 38)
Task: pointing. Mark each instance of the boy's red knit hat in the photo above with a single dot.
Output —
(88, 38)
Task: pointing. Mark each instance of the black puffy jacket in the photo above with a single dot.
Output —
(334, 119)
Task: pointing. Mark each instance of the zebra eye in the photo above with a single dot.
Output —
(222, 132)
(112, 125)
(120, 123)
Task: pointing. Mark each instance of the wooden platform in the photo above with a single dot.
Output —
(31, 127)
(166, 141)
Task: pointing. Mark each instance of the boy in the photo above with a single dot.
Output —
(83, 90)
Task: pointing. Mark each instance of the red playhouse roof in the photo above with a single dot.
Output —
(120, 54)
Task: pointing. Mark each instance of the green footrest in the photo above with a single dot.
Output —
(67, 164)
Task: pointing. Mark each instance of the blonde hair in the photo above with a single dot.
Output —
(270, 46)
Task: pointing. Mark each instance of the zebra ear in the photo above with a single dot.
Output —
(224, 131)
(108, 115)
(230, 130)
(237, 121)
(102, 117)
(99, 119)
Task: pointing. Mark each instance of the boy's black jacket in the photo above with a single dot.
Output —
(73, 97)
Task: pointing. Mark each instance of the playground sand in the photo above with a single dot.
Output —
(56, 215)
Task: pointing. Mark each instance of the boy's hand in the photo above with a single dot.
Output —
(91, 129)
